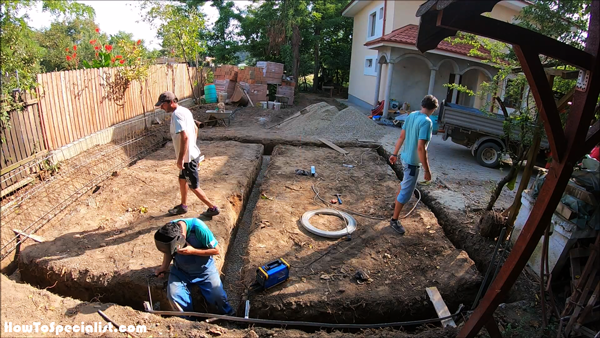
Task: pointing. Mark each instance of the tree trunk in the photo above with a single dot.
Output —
(296, 39)
(317, 66)
(514, 171)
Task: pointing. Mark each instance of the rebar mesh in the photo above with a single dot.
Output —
(36, 205)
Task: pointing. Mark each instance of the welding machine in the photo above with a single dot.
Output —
(273, 273)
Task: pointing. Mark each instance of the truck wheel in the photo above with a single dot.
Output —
(488, 155)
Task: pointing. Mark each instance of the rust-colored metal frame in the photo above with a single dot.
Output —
(567, 145)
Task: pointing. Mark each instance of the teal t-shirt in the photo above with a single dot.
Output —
(204, 237)
(416, 127)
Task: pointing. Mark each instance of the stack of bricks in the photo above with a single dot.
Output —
(272, 71)
(256, 92)
(251, 75)
(287, 89)
(226, 72)
(225, 79)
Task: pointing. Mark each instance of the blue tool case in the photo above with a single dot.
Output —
(273, 273)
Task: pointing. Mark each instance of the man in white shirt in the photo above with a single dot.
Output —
(184, 135)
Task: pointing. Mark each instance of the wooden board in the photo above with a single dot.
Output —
(440, 306)
(333, 146)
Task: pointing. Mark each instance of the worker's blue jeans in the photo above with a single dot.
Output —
(207, 279)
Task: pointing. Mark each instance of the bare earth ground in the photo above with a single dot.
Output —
(23, 304)
(104, 249)
(324, 289)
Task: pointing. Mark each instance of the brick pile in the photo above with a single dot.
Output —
(256, 92)
(251, 75)
(287, 89)
(272, 71)
(225, 79)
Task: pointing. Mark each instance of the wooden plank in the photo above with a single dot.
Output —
(90, 106)
(40, 131)
(14, 186)
(51, 116)
(60, 110)
(565, 211)
(440, 306)
(36, 238)
(22, 134)
(333, 146)
(66, 109)
(279, 125)
(17, 131)
(96, 99)
(81, 112)
(42, 110)
(74, 96)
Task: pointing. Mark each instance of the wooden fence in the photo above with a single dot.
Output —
(77, 103)
(74, 104)
(23, 141)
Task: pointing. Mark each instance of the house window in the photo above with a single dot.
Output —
(371, 66)
(375, 24)
(372, 24)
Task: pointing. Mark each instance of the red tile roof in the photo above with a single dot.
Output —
(408, 35)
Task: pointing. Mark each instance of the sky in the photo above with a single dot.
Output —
(115, 16)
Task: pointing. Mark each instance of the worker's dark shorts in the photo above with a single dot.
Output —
(190, 173)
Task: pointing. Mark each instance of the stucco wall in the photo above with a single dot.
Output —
(362, 86)
(399, 14)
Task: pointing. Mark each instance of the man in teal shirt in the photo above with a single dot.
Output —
(415, 136)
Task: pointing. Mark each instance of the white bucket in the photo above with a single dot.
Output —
(263, 104)
(276, 105)
(271, 104)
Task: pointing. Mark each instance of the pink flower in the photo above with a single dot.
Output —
(112, 60)
(96, 48)
(74, 48)
(108, 48)
(92, 42)
(68, 58)
(139, 41)
(67, 50)
(122, 61)
(119, 56)
(97, 30)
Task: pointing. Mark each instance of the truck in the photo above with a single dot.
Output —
(481, 132)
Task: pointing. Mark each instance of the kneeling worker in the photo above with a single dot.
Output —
(191, 245)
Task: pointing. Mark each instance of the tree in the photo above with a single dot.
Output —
(223, 42)
(20, 54)
(181, 28)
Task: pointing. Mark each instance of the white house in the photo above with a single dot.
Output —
(386, 64)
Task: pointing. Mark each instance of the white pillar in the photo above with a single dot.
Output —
(377, 82)
(431, 81)
(455, 92)
(388, 89)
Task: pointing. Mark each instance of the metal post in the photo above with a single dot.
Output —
(377, 83)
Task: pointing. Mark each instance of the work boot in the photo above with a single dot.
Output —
(395, 224)
(210, 212)
(178, 210)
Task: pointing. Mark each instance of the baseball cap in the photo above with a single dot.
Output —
(165, 97)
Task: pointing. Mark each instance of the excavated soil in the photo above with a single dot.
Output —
(104, 249)
(322, 286)
(23, 304)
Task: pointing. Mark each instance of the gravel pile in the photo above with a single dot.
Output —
(313, 118)
(351, 124)
(324, 120)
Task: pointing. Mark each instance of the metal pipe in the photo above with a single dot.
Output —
(489, 268)
(303, 323)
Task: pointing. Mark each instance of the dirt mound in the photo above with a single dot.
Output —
(351, 124)
(313, 118)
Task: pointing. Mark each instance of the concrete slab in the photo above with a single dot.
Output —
(323, 286)
(104, 249)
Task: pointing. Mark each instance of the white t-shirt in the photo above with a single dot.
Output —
(183, 120)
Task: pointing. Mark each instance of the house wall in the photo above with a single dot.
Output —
(398, 14)
(361, 87)
(410, 80)
(403, 13)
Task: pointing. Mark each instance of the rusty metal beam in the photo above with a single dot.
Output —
(544, 99)
(593, 137)
(514, 35)
(575, 133)
(492, 328)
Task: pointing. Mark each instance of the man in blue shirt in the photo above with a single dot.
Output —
(415, 136)
(190, 244)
